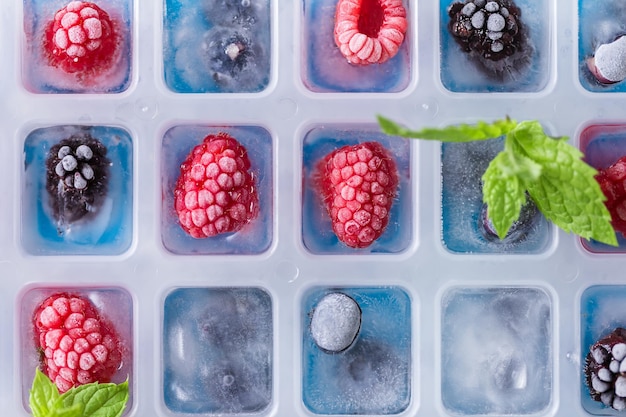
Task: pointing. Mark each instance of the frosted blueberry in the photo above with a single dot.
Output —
(69, 163)
(492, 7)
(468, 9)
(335, 323)
(63, 151)
(84, 152)
(480, 3)
(496, 22)
(478, 20)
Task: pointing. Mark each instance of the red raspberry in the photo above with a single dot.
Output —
(81, 37)
(613, 184)
(358, 184)
(78, 346)
(216, 191)
(369, 31)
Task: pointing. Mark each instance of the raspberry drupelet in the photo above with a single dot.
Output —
(358, 185)
(77, 345)
(81, 38)
(216, 191)
(369, 31)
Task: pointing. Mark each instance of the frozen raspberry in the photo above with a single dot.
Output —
(492, 33)
(358, 184)
(369, 31)
(605, 370)
(77, 171)
(77, 346)
(613, 184)
(216, 191)
(80, 38)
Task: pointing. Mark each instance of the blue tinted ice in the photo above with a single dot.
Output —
(253, 238)
(496, 351)
(110, 230)
(598, 23)
(463, 165)
(373, 375)
(217, 350)
(461, 74)
(217, 46)
(317, 232)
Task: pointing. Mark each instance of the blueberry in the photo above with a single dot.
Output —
(231, 55)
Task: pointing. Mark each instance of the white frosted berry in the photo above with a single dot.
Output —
(84, 152)
(69, 163)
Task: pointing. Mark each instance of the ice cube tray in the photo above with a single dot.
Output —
(427, 306)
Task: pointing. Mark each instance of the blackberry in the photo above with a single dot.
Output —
(230, 54)
(529, 215)
(77, 172)
(493, 34)
(605, 370)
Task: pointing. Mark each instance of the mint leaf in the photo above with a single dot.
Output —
(96, 400)
(43, 395)
(503, 192)
(552, 171)
(74, 411)
(455, 133)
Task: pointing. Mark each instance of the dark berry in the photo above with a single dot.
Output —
(605, 370)
(77, 171)
(527, 221)
(612, 181)
(231, 54)
(492, 33)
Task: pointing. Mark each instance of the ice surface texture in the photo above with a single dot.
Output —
(40, 77)
(113, 303)
(603, 145)
(325, 69)
(602, 309)
(373, 375)
(598, 23)
(496, 351)
(217, 46)
(317, 232)
(459, 73)
(217, 350)
(108, 231)
(255, 237)
(463, 165)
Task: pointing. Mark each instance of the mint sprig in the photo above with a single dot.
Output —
(549, 170)
(89, 400)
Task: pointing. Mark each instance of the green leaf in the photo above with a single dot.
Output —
(43, 394)
(96, 400)
(455, 133)
(74, 411)
(503, 192)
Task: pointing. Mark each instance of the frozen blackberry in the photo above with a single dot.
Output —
(231, 12)
(77, 178)
(529, 215)
(605, 370)
(493, 34)
(231, 55)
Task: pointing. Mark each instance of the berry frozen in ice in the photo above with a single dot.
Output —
(216, 190)
(492, 34)
(526, 222)
(335, 322)
(81, 38)
(231, 55)
(612, 181)
(369, 31)
(608, 64)
(232, 12)
(605, 370)
(77, 176)
(358, 184)
(77, 345)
